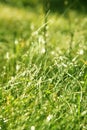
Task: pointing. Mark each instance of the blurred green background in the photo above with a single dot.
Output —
(54, 5)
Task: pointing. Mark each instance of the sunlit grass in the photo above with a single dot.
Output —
(42, 87)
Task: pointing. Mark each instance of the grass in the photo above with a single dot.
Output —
(42, 90)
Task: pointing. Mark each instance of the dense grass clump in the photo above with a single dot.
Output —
(42, 87)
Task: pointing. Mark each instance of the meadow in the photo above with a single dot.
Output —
(43, 69)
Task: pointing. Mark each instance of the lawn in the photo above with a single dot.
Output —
(43, 69)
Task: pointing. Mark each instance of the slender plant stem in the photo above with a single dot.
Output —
(46, 12)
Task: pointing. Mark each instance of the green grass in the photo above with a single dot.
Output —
(42, 90)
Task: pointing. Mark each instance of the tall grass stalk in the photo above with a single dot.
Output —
(46, 9)
(71, 34)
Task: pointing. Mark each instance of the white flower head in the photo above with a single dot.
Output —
(49, 117)
(43, 50)
(7, 55)
(32, 127)
(17, 67)
(16, 41)
(81, 52)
